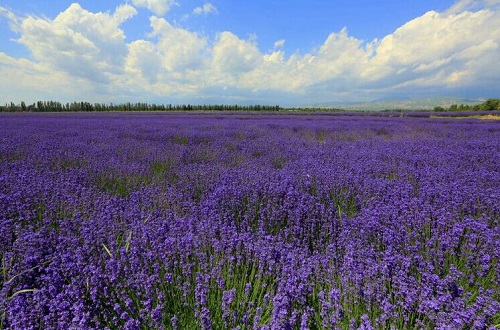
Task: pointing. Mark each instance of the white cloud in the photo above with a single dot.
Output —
(144, 60)
(174, 61)
(180, 49)
(471, 5)
(123, 13)
(340, 58)
(4, 12)
(23, 80)
(435, 45)
(81, 43)
(84, 51)
(206, 9)
(340, 55)
(158, 7)
(279, 43)
(234, 56)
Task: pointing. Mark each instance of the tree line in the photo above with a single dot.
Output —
(488, 105)
(54, 106)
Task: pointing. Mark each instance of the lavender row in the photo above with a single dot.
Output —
(196, 221)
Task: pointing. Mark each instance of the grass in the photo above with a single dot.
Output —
(180, 289)
(482, 117)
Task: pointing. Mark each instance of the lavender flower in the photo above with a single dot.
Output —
(265, 222)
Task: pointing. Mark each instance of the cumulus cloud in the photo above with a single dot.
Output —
(158, 7)
(340, 58)
(24, 80)
(206, 9)
(457, 48)
(437, 49)
(180, 48)
(171, 61)
(79, 42)
(234, 56)
(144, 60)
(471, 5)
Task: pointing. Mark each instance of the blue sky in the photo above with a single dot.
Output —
(270, 52)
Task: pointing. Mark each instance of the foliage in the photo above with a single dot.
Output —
(54, 106)
(488, 105)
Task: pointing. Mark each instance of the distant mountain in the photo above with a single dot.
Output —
(401, 104)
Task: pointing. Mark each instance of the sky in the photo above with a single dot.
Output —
(290, 53)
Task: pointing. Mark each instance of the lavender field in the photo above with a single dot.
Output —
(239, 221)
